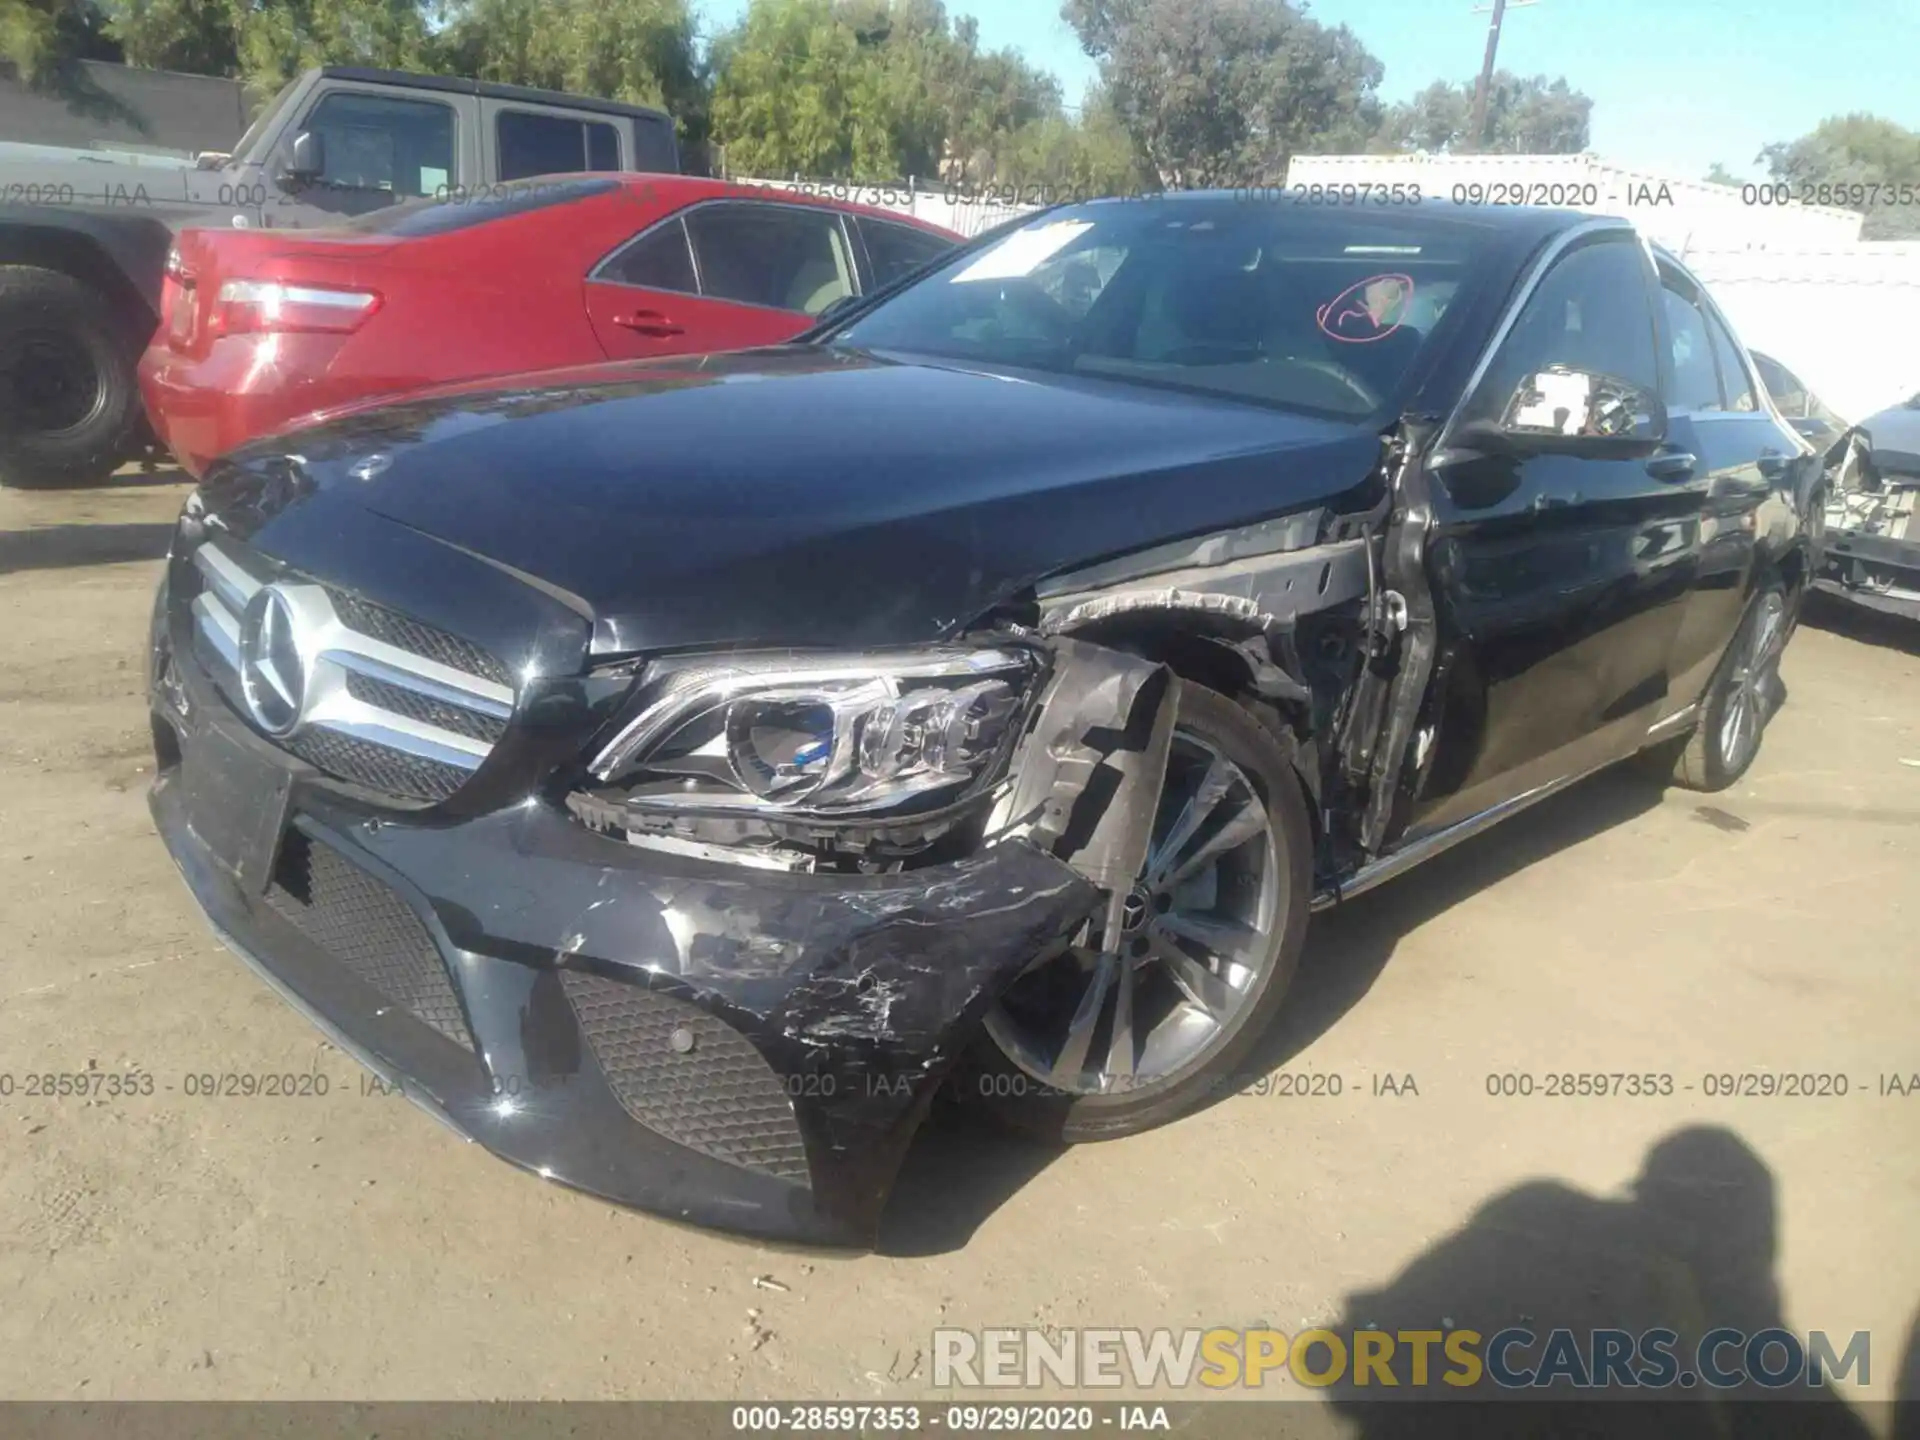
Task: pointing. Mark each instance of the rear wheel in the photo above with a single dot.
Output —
(69, 407)
(1118, 1034)
(1745, 693)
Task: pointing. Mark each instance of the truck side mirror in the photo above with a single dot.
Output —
(307, 158)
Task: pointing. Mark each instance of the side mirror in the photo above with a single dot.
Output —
(1561, 410)
(306, 158)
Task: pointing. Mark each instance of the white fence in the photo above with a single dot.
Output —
(1674, 212)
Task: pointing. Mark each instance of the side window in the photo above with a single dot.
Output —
(1592, 313)
(1693, 383)
(781, 256)
(378, 142)
(1787, 393)
(535, 144)
(1734, 383)
(895, 250)
(659, 260)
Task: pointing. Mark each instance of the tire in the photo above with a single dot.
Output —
(1021, 1094)
(1745, 692)
(69, 405)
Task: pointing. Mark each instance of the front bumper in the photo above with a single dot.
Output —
(742, 1049)
(1873, 571)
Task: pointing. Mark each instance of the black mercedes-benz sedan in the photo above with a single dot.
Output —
(672, 774)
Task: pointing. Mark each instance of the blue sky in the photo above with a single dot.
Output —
(1676, 84)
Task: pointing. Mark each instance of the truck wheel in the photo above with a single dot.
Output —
(1105, 1041)
(68, 403)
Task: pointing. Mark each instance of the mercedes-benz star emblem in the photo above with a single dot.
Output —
(272, 675)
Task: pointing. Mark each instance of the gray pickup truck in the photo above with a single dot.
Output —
(85, 233)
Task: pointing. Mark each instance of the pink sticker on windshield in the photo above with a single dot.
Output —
(1367, 310)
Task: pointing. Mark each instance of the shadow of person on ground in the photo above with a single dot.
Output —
(60, 547)
(1690, 1250)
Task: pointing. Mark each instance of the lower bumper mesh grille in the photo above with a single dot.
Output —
(687, 1076)
(361, 923)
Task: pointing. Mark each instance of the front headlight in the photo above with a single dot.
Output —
(822, 735)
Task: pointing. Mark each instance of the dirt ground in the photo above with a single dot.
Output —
(346, 1246)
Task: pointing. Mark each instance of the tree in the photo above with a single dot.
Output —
(1852, 156)
(1525, 116)
(200, 37)
(41, 39)
(1718, 174)
(1224, 92)
(640, 51)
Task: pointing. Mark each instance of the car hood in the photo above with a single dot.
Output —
(792, 496)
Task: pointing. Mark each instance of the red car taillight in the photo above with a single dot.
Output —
(273, 306)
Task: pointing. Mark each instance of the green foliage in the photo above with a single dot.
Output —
(1858, 152)
(1225, 92)
(641, 51)
(1525, 116)
(40, 39)
(200, 37)
(885, 90)
(1718, 174)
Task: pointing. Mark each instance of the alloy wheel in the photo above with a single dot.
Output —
(1750, 684)
(1150, 1004)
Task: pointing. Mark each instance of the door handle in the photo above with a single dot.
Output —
(1674, 465)
(650, 322)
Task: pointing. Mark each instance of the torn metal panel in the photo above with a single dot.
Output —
(1094, 757)
(1267, 537)
(1261, 591)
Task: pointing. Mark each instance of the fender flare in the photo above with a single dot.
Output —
(122, 255)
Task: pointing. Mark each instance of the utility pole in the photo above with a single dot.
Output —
(1477, 126)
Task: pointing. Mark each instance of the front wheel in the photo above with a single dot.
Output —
(1745, 692)
(1119, 1034)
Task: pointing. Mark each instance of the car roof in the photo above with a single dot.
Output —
(1530, 221)
(690, 188)
(491, 90)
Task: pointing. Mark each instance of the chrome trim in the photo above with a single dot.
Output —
(234, 586)
(1672, 725)
(467, 697)
(219, 627)
(1378, 872)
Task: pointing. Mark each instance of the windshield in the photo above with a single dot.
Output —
(241, 151)
(1301, 308)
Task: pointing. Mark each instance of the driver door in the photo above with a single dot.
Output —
(1558, 580)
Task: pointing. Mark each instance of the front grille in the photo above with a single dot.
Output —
(361, 923)
(377, 767)
(415, 637)
(424, 708)
(374, 697)
(711, 1092)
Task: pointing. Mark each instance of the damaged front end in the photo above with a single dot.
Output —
(718, 964)
(1871, 526)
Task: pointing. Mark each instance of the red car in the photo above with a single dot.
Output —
(259, 328)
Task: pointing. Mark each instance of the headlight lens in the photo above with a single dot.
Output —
(822, 736)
